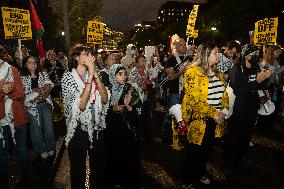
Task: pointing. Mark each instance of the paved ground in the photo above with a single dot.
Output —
(160, 164)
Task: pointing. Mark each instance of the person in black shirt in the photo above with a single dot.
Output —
(245, 79)
(109, 59)
(174, 84)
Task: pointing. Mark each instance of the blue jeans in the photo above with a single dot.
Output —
(21, 151)
(167, 125)
(41, 129)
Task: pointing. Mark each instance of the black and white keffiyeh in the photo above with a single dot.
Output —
(72, 88)
(7, 74)
(224, 63)
(30, 102)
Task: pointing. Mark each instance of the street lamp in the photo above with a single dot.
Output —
(214, 29)
(63, 33)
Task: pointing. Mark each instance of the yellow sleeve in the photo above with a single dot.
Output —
(194, 97)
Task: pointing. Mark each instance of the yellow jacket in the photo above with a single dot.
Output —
(195, 106)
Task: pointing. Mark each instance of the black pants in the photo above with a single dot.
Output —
(196, 156)
(78, 148)
(240, 127)
(122, 158)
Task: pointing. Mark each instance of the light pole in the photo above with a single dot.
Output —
(66, 25)
(213, 29)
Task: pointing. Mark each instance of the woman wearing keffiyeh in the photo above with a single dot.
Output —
(85, 104)
(121, 145)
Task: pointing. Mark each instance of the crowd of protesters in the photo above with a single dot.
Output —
(107, 101)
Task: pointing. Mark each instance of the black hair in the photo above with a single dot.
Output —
(233, 44)
(25, 71)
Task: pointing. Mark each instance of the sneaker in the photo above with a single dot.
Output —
(205, 180)
(51, 153)
(44, 155)
(188, 186)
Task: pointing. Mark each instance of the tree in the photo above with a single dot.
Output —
(235, 18)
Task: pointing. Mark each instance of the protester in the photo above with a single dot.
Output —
(226, 62)
(174, 84)
(204, 107)
(85, 104)
(13, 121)
(121, 141)
(38, 103)
(55, 71)
(140, 78)
(62, 59)
(109, 59)
(128, 60)
(246, 79)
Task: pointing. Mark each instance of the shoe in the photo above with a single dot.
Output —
(44, 155)
(191, 186)
(50, 153)
(205, 180)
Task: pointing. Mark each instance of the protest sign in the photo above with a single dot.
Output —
(265, 32)
(17, 24)
(191, 22)
(95, 31)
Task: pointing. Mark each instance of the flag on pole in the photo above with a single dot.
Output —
(38, 30)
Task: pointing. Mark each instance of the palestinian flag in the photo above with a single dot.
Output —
(38, 30)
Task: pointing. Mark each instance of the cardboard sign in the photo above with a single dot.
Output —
(95, 31)
(191, 21)
(194, 34)
(265, 32)
(17, 23)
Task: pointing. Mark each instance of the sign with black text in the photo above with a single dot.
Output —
(17, 23)
(265, 32)
(95, 31)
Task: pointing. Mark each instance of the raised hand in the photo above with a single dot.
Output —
(90, 63)
(117, 108)
(261, 76)
(7, 87)
(127, 98)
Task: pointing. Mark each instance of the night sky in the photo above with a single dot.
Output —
(123, 14)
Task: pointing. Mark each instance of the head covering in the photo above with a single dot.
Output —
(248, 49)
(48, 52)
(117, 88)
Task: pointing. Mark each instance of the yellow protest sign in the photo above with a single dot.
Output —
(194, 34)
(191, 21)
(95, 31)
(265, 31)
(17, 23)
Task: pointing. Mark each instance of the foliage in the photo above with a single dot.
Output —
(80, 11)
